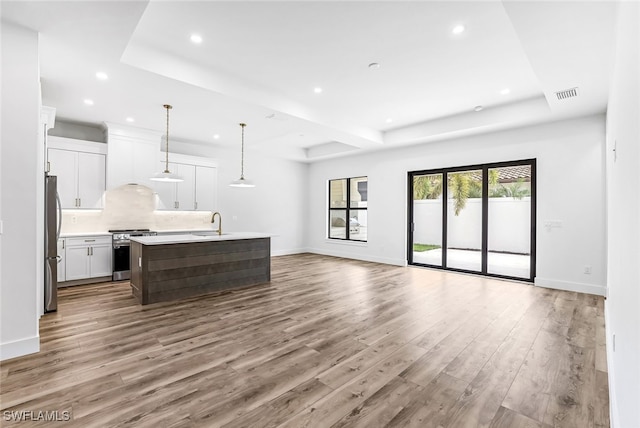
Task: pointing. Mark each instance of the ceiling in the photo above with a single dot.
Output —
(259, 63)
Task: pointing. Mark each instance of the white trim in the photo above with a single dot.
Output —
(365, 258)
(71, 144)
(613, 403)
(598, 290)
(189, 159)
(288, 252)
(132, 133)
(18, 348)
(349, 242)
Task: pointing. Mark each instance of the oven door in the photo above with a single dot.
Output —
(121, 267)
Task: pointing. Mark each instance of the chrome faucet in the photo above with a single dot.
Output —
(213, 219)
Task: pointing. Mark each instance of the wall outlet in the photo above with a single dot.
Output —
(587, 270)
(74, 219)
(553, 224)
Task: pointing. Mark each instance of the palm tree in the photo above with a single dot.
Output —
(427, 187)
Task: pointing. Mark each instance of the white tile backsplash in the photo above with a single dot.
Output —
(132, 206)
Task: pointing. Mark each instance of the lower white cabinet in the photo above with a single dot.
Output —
(88, 257)
(62, 260)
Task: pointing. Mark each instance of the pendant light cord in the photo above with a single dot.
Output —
(166, 162)
(242, 153)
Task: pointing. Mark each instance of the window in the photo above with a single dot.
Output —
(348, 209)
(479, 218)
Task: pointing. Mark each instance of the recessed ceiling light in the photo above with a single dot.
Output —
(458, 29)
(101, 75)
(88, 102)
(130, 119)
(505, 91)
(389, 120)
(216, 136)
(317, 90)
(478, 108)
(374, 65)
(196, 38)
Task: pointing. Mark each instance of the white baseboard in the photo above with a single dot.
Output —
(364, 258)
(613, 403)
(579, 287)
(289, 252)
(18, 348)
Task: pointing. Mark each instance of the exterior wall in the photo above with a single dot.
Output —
(509, 228)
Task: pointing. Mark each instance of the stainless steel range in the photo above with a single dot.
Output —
(121, 254)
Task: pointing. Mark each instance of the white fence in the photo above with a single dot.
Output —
(509, 224)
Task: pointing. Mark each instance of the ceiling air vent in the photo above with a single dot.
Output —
(567, 93)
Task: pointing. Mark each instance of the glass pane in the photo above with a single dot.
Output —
(464, 220)
(338, 193)
(358, 192)
(427, 219)
(509, 227)
(338, 224)
(358, 225)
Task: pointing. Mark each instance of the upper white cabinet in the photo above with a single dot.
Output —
(80, 168)
(133, 155)
(197, 191)
(206, 188)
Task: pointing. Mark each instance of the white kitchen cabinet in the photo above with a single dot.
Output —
(196, 192)
(88, 257)
(81, 176)
(133, 155)
(62, 261)
(205, 188)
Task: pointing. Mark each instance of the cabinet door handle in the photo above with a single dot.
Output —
(92, 251)
(79, 202)
(195, 205)
(89, 240)
(88, 251)
(63, 245)
(48, 166)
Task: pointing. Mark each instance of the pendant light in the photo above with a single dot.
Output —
(166, 175)
(242, 182)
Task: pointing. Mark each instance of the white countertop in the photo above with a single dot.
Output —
(82, 234)
(208, 236)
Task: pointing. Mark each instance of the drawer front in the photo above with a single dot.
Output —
(88, 241)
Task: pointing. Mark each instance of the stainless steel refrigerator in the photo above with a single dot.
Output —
(52, 223)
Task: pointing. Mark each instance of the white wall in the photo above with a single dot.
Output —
(570, 171)
(21, 185)
(622, 307)
(278, 203)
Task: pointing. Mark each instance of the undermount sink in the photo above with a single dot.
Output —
(212, 233)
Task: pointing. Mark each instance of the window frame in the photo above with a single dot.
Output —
(532, 163)
(348, 208)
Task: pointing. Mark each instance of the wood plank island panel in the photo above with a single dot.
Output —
(166, 272)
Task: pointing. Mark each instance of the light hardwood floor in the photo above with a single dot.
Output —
(328, 343)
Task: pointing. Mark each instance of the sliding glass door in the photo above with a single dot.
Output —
(487, 224)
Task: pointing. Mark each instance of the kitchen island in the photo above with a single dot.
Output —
(173, 267)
